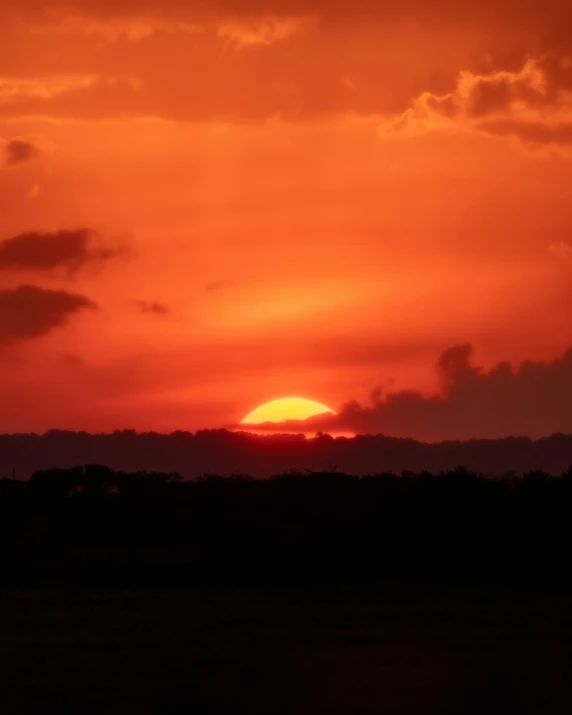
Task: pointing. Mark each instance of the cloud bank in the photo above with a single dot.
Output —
(533, 105)
(532, 400)
(302, 66)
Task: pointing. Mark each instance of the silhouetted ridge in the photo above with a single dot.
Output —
(224, 452)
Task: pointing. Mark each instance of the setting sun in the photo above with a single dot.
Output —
(288, 408)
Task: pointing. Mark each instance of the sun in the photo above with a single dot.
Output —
(288, 408)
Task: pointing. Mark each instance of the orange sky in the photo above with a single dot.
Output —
(246, 199)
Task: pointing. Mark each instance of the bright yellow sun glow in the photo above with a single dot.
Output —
(288, 408)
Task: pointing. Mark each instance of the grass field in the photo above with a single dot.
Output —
(286, 649)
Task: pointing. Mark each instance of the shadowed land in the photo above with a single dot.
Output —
(316, 593)
(339, 649)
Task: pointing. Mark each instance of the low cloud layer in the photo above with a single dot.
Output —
(29, 312)
(61, 249)
(532, 400)
(533, 104)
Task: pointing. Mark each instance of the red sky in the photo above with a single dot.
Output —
(208, 205)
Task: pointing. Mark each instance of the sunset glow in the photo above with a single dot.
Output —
(204, 204)
(286, 335)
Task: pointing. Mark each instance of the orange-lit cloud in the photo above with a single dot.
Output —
(16, 88)
(533, 105)
(240, 33)
(51, 95)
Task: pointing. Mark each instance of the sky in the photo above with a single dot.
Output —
(209, 205)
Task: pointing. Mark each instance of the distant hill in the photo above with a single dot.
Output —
(224, 452)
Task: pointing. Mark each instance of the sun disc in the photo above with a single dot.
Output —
(287, 408)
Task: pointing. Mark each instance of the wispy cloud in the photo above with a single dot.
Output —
(132, 28)
(14, 88)
(241, 33)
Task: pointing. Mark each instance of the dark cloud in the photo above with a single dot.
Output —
(20, 151)
(29, 312)
(60, 249)
(145, 306)
(533, 400)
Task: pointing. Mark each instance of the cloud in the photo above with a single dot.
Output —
(44, 95)
(60, 249)
(15, 88)
(240, 33)
(533, 400)
(29, 312)
(20, 151)
(144, 306)
(239, 26)
(533, 104)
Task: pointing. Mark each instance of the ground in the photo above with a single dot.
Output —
(287, 649)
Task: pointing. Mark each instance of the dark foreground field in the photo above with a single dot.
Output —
(287, 648)
(140, 593)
